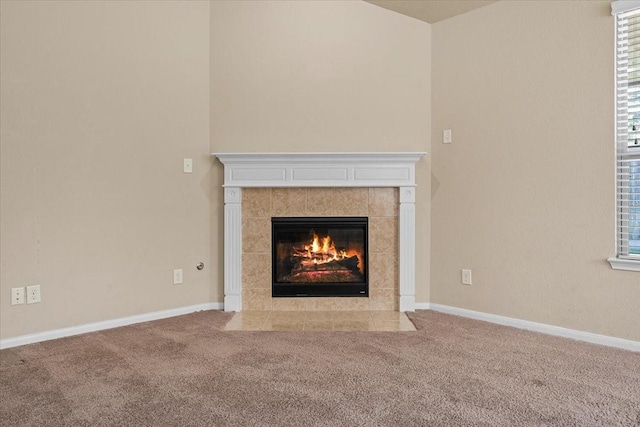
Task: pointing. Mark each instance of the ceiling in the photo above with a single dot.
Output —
(431, 10)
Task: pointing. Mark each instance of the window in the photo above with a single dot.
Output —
(627, 15)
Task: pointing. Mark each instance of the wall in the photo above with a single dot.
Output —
(100, 103)
(102, 100)
(323, 76)
(524, 196)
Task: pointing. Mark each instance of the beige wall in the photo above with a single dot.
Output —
(323, 76)
(525, 194)
(101, 101)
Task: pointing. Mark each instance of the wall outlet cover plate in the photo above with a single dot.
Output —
(33, 294)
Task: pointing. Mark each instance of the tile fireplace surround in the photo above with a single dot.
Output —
(258, 186)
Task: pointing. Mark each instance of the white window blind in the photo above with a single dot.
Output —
(628, 128)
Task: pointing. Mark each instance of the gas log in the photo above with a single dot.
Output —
(308, 264)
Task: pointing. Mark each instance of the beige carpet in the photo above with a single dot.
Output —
(185, 371)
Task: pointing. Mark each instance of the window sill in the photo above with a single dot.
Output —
(624, 264)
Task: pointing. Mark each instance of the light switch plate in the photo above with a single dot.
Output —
(446, 136)
(188, 165)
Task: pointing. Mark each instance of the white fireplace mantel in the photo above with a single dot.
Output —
(243, 170)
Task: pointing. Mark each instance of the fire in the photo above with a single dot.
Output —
(320, 257)
(322, 250)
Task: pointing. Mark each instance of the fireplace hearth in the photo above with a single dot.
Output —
(320, 257)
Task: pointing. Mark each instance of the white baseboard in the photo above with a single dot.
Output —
(492, 318)
(540, 327)
(107, 324)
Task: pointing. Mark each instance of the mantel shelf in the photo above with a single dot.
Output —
(319, 169)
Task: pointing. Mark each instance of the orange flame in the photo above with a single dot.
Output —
(323, 248)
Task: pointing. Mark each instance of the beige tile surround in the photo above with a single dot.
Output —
(259, 205)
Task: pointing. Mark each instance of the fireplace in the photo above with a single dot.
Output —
(320, 257)
(259, 186)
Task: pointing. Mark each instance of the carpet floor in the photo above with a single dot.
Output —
(186, 371)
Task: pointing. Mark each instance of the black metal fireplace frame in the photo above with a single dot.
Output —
(288, 289)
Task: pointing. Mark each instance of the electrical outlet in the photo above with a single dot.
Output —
(177, 276)
(17, 296)
(466, 277)
(33, 294)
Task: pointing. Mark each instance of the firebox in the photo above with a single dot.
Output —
(320, 257)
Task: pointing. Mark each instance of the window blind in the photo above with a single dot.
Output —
(628, 128)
